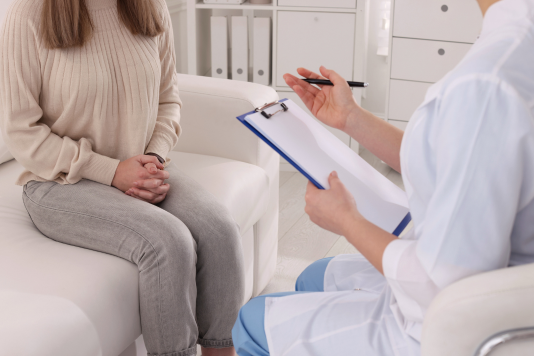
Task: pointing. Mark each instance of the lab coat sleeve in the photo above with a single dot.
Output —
(482, 144)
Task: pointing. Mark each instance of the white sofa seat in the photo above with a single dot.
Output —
(57, 299)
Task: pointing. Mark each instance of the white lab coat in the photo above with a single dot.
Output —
(468, 167)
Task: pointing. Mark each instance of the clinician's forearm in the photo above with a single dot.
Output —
(379, 137)
(370, 240)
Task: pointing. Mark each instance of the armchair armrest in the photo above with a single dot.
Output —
(464, 315)
(210, 127)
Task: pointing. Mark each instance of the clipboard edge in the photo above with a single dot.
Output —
(398, 230)
(270, 144)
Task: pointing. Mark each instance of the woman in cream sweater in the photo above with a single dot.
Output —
(90, 107)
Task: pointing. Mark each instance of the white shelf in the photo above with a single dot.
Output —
(244, 6)
(269, 7)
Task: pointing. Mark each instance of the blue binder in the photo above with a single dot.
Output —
(400, 228)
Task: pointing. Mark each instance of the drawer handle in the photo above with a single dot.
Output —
(441, 51)
(444, 8)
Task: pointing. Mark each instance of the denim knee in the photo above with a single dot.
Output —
(312, 279)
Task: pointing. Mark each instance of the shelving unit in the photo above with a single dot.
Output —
(332, 45)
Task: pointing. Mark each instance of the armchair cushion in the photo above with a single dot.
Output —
(241, 187)
(466, 313)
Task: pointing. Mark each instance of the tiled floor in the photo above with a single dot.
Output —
(300, 241)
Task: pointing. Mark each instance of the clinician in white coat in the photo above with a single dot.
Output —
(467, 162)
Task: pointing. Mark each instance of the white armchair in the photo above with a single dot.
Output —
(61, 300)
(490, 314)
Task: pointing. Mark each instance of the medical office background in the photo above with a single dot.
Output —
(400, 47)
(350, 36)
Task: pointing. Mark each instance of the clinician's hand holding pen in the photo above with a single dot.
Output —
(332, 105)
(336, 107)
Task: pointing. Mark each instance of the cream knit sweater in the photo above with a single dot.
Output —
(69, 114)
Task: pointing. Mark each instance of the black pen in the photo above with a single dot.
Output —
(327, 82)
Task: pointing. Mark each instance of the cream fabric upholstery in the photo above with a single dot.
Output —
(473, 309)
(62, 300)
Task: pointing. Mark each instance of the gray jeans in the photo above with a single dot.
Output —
(187, 249)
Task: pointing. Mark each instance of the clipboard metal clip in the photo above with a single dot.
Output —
(266, 106)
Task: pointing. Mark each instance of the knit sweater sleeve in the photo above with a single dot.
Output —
(32, 142)
(167, 129)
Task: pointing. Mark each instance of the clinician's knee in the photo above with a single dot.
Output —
(248, 333)
(312, 279)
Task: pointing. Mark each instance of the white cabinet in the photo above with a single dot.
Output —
(428, 39)
(425, 61)
(405, 98)
(444, 20)
(312, 39)
(319, 3)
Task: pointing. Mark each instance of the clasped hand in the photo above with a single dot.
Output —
(142, 177)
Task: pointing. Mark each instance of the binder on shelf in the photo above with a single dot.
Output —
(240, 48)
(219, 47)
(262, 51)
(316, 152)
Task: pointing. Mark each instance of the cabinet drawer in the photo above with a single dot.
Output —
(404, 98)
(399, 124)
(443, 20)
(319, 3)
(312, 39)
(425, 61)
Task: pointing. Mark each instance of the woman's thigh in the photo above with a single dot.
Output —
(102, 218)
(211, 224)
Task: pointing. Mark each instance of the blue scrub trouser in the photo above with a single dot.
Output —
(248, 333)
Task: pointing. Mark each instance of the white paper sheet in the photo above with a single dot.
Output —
(318, 152)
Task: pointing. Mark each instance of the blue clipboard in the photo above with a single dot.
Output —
(400, 228)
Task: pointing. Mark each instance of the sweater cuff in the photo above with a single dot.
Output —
(100, 168)
(160, 145)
